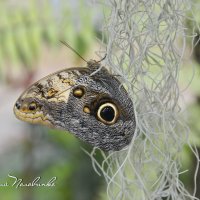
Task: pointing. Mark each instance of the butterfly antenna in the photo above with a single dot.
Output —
(67, 45)
(102, 59)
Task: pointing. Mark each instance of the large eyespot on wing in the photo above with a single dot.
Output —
(54, 88)
(107, 113)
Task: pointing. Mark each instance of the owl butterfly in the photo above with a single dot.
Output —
(88, 102)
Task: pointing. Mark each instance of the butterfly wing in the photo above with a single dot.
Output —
(88, 102)
(52, 89)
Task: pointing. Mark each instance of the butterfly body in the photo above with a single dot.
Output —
(88, 102)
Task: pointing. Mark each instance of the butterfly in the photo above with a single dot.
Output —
(89, 102)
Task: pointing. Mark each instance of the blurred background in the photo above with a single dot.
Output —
(29, 50)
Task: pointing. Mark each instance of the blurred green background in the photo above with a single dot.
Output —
(30, 49)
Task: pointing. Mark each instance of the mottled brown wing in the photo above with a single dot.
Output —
(53, 88)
